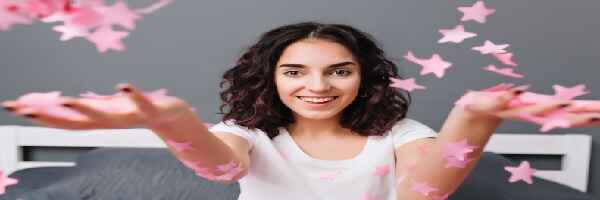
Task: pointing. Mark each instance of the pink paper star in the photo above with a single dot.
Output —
(438, 197)
(503, 71)
(70, 32)
(456, 35)
(231, 169)
(85, 17)
(423, 148)
(194, 165)
(42, 8)
(9, 16)
(411, 167)
(458, 150)
(56, 17)
(477, 12)
(523, 172)
(369, 196)
(505, 58)
(120, 102)
(6, 181)
(423, 188)
(499, 87)
(406, 84)
(93, 95)
(562, 92)
(48, 103)
(227, 166)
(400, 179)
(208, 125)
(180, 146)
(381, 170)
(155, 6)
(454, 162)
(329, 176)
(120, 14)
(283, 156)
(532, 98)
(435, 64)
(489, 47)
(105, 38)
(556, 119)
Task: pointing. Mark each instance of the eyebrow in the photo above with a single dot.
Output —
(330, 66)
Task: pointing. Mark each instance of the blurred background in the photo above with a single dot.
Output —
(186, 46)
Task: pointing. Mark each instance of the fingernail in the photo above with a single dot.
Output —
(8, 108)
(564, 105)
(30, 115)
(594, 119)
(126, 89)
(68, 105)
(518, 92)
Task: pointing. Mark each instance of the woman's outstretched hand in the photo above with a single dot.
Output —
(517, 104)
(128, 108)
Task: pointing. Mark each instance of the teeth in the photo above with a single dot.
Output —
(316, 99)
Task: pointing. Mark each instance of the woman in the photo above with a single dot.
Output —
(309, 114)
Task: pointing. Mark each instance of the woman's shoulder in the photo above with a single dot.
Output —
(408, 124)
(407, 130)
(230, 126)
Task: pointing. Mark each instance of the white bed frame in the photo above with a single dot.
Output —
(575, 148)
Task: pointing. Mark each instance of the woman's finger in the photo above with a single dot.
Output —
(11, 106)
(584, 106)
(85, 109)
(491, 102)
(142, 102)
(57, 122)
(535, 109)
(585, 120)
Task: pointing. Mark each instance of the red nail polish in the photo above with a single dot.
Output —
(8, 108)
(126, 89)
(518, 92)
(30, 116)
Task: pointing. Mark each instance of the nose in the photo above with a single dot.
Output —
(318, 84)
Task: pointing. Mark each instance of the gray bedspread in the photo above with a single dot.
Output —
(154, 174)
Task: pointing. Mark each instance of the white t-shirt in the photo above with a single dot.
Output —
(279, 169)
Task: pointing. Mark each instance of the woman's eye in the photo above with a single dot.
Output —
(342, 72)
(291, 73)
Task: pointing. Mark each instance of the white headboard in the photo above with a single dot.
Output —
(575, 148)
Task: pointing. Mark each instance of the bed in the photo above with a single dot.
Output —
(575, 149)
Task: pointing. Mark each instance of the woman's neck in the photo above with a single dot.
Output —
(316, 128)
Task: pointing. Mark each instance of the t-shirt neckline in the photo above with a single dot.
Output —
(304, 156)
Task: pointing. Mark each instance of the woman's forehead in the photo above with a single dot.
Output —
(315, 52)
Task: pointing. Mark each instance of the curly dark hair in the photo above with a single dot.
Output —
(252, 98)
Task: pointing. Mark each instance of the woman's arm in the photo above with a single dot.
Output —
(431, 168)
(431, 177)
(206, 150)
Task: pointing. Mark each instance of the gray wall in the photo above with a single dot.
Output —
(186, 46)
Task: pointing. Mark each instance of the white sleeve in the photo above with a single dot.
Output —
(233, 128)
(408, 130)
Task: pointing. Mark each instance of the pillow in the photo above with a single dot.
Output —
(488, 181)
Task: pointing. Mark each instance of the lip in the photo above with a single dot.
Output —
(317, 96)
(317, 105)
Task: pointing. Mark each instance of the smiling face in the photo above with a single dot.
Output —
(317, 78)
